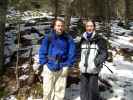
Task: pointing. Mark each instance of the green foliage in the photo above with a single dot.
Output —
(80, 27)
(2, 92)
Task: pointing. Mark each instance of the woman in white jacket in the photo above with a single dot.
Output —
(93, 55)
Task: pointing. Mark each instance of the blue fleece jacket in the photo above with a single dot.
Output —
(57, 51)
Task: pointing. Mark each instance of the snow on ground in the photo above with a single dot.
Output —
(122, 42)
(31, 15)
(121, 37)
(11, 97)
(122, 86)
(120, 30)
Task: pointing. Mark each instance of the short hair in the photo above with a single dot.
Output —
(54, 22)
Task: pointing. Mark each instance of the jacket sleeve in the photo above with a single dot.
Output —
(43, 51)
(102, 53)
(71, 54)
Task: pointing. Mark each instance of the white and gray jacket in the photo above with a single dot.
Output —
(93, 54)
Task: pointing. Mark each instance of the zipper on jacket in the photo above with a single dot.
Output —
(86, 57)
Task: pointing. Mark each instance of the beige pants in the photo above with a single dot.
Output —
(54, 84)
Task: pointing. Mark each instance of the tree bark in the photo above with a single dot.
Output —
(67, 11)
(56, 8)
(67, 18)
(3, 7)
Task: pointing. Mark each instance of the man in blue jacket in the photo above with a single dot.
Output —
(56, 54)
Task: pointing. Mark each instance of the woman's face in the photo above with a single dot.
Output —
(89, 27)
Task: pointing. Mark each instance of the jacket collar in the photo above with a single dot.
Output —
(94, 36)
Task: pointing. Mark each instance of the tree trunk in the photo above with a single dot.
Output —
(68, 7)
(121, 9)
(126, 11)
(56, 8)
(67, 18)
(3, 7)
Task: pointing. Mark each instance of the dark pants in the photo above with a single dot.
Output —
(89, 87)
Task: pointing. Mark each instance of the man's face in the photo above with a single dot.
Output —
(90, 27)
(59, 27)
